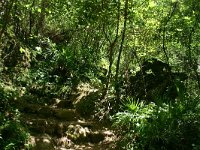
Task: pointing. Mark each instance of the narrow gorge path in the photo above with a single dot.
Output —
(58, 127)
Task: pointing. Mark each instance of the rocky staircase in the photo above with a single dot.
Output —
(56, 126)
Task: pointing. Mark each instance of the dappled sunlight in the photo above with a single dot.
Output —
(99, 75)
(56, 127)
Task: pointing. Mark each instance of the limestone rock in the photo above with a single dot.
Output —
(45, 142)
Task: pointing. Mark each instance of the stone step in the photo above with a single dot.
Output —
(56, 103)
(45, 141)
(66, 114)
(79, 132)
(52, 126)
(44, 101)
(49, 112)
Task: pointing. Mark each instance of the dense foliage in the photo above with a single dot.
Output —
(147, 51)
(166, 126)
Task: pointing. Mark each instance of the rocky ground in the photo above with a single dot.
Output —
(58, 126)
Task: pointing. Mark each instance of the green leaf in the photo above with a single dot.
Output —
(22, 50)
(152, 4)
(28, 6)
(39, 10)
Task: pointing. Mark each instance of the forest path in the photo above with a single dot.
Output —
(58, 127)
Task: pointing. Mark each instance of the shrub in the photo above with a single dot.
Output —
(173, 126)
(13, 136)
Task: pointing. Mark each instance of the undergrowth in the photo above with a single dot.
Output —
(169, 126)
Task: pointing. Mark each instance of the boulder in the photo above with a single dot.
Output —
(154, 82)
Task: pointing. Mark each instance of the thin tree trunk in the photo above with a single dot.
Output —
(31, 18)
(41, 21)
(6, 17)
(120, 50)
(111, 51)
(169, 16)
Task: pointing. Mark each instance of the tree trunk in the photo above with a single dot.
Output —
(120, 51)
(41, 21)
(6, 17)
(111, 52)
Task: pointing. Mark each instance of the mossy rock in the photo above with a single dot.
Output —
(96, 137)
(66, 114)
(45, 111)
(80, 134)
(44, 142)
(86, 106)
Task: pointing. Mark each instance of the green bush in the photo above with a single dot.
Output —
(13, 136)
(173, 126)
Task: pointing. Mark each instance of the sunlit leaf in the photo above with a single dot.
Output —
(152, 4)
(39, 10)
(22, 50)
